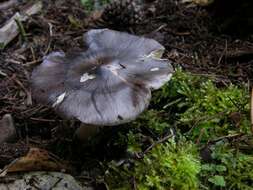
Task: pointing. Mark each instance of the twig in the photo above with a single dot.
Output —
(28, 94)
(224, 52)
(33, 53)
(225, 137)
(50, 38)
(21, 29)
(48, 46)
(157, 142)
(31, 63)
(8, 4)
(3, 74)
(134, 183)
(11, 29)
(13, 61)
(50, 29)
(140, 155)
(42, 120)
(159, 28)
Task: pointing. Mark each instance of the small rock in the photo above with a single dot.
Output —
(7, 129)
(41, 180)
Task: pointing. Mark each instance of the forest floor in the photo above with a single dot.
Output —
(192, 39)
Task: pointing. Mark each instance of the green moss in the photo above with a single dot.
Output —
(234, 166)
(166, 166)
(153, 119)
(201, 114)
(89, 4)
(196, 104)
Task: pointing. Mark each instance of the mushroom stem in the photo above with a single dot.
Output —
(86, 131)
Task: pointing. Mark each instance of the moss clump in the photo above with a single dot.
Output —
(230, 168)
(168, 165)
(198, 106)
(204, 118)
(154, 120)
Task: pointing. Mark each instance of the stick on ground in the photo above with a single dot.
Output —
(10, 30)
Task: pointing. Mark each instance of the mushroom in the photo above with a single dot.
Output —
(108, 84)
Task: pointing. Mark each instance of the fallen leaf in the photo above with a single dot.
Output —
(36, 160)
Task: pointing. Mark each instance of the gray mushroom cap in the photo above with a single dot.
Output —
(108, 84)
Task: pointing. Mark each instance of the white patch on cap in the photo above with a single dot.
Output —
(59, 99)
(169, 76)
(113, 67)
(156, 54)
(86, 77)
(160, 81)
(154, 69)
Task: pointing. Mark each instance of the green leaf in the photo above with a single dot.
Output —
(218, 180)
(220, 168)
(207, 167)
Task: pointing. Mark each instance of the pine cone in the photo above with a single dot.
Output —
(123, 12)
